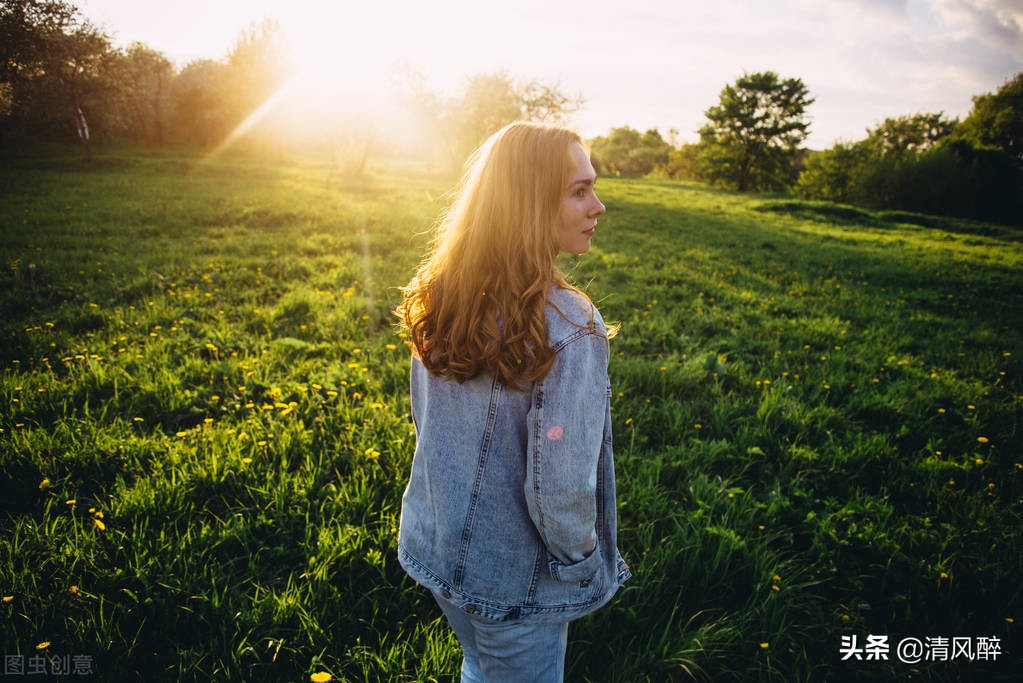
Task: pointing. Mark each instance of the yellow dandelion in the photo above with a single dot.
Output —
(320, 677)
(764, 646)
(982, 439)
(44, 484)
(775, 578)
(43, 645)
(73, 590)
(979, 461)
(943, 576)
(246, 461)
(845, 618)
(99, 524)
(8, 599)
(1008, 620)
(391, 347)
(776, 588)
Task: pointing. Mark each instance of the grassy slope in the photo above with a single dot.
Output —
(817, 426)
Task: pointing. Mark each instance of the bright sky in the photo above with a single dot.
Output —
(644, 63)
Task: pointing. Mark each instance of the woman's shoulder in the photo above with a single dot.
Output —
(569, 310)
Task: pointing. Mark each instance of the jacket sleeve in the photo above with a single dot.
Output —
(566, 431)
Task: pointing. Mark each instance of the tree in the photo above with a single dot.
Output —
(904, 135)
(491, 101)
(626, 151)
(752, 137)
(44, 49)
(145, 77)
(834, 174)
(199, 110)
(996, 119)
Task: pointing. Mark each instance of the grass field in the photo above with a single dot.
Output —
(205, 432)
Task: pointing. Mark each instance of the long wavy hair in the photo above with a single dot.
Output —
(476, 305)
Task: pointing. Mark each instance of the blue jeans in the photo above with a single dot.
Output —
(507, 651)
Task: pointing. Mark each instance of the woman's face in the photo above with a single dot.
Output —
(579, 205)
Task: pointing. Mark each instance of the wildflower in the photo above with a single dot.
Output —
(43, 645)
(246, 461)
(1008, 620)
(941, 411)
(8, 599)
(371, 453)
(320, 677)
(775, 588)
(137, 419)
(982, 439)
(979, 461)
(764, 646)
(391, 347)
(99, 524)
(44, 484)
(775, 578)
(943, 576)
(845, 618)
(73, 590)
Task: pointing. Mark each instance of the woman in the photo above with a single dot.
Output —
(509, 515)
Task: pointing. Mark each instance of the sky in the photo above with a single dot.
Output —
(642, 63)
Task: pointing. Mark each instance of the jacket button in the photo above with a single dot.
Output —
(470, 609)
(446, 595)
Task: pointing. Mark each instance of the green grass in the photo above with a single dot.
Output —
(205, 432)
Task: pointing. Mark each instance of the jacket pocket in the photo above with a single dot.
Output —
(582, 572)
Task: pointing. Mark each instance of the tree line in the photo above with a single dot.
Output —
(61, 78)
(923, 162)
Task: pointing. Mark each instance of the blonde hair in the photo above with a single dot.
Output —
(477, 304)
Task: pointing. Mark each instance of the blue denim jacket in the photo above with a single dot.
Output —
(510, 507)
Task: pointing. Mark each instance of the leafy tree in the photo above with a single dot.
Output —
(898, 137)
(626, 151)
(996, 119)
(52, 66)
(491, 101)
(752, 136)
(144, 76)
(683, 162)
(833, 174)
(199, 110)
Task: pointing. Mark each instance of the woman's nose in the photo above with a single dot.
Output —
(599, 209)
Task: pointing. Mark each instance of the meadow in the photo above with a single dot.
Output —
(205, 430)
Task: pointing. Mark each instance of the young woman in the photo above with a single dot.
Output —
(509, 515)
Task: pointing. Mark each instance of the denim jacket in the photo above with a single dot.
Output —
(510, 507)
